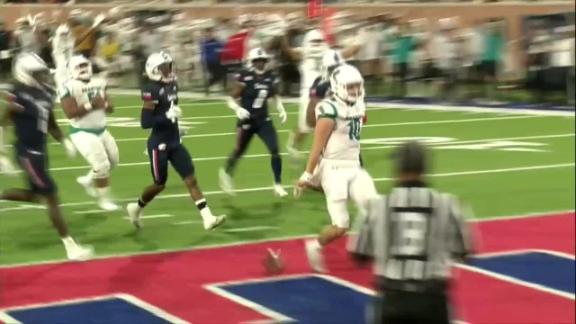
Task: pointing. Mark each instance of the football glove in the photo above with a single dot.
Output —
(242, 113)
(174, 113)
(281, 111)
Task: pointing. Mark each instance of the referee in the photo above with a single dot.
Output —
(413, 234)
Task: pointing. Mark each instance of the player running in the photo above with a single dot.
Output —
(310, 56)
(30, 108)
(336, 141)
(255, 85)
(160, 113)
(85, 103)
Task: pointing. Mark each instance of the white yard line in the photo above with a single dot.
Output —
(153, 216)
(248, 229)
(366, 147)
(258, 189)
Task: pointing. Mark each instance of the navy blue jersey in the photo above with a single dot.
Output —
(31, 119)
(320, 88)
(164, 95)
(257, 89)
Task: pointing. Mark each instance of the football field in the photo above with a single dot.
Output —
(500, 163)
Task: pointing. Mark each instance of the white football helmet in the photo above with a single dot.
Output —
(257, 54)
(80, 68)
(347, 84)
(31, 70)
(331, 60)
(153, 63)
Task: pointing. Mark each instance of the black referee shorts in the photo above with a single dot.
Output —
(404, 307)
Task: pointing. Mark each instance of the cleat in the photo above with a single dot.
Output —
(107, 205)
(279, 191)
(88, 186)
(80, 253)
(226, 182)
(315, 258)
(214, 222)
(134, 214)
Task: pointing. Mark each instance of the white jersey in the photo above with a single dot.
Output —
(310, 66)
(344, 142)
(83, 92)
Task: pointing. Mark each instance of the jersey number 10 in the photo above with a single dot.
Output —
(354, 132)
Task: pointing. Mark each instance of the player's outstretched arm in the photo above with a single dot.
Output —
(322, 133)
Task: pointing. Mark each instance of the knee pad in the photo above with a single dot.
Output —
(101, 170)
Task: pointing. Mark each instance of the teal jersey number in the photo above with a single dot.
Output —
(354, 132)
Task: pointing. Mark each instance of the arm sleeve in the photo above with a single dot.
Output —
(326, 110)
(147, 118)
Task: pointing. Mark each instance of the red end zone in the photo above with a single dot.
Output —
(174, 282)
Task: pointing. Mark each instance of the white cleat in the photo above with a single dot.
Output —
(80, 253)
(134, 214)
(279, 191)
(88, 186)
(108, 206)
(315, 258)
(6, 166)
(226, 182)
(293, 153)
(214, 222)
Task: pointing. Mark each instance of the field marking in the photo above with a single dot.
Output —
(256, 189)
(248, 229)
(258, 241)
(366, 147)
(89, 211)
(188, 222)
(153, 216)
(387, 105)
(126, 297)
(516, 281)
(412, 123)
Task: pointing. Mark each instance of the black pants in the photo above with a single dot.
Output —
(407, 307)
(216, 73)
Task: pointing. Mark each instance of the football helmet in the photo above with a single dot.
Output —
(160, 67)
(347, 84)
(31, 70)
(255, 55)
(80, 68)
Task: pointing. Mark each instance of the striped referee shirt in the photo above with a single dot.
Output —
(414, 233)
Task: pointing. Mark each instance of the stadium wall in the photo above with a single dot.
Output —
(469, 13)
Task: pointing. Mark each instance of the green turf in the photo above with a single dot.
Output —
(493, 185)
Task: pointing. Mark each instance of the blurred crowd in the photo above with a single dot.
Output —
(442, 59)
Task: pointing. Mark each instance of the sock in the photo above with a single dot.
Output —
(141, 203)
(68, 242)
(205, 211)
(276, 162)
(230, 164)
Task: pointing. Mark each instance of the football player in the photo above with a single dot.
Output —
(160, 113)
(310, 57)
(30, 108)
(85, 103)
(249, 100)
(336, 140)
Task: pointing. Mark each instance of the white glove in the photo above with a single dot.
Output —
(98, 20)
(6, 166)
(242, 113)
(281, 111)
(70, 149)
(303, 182)
(174, 113)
